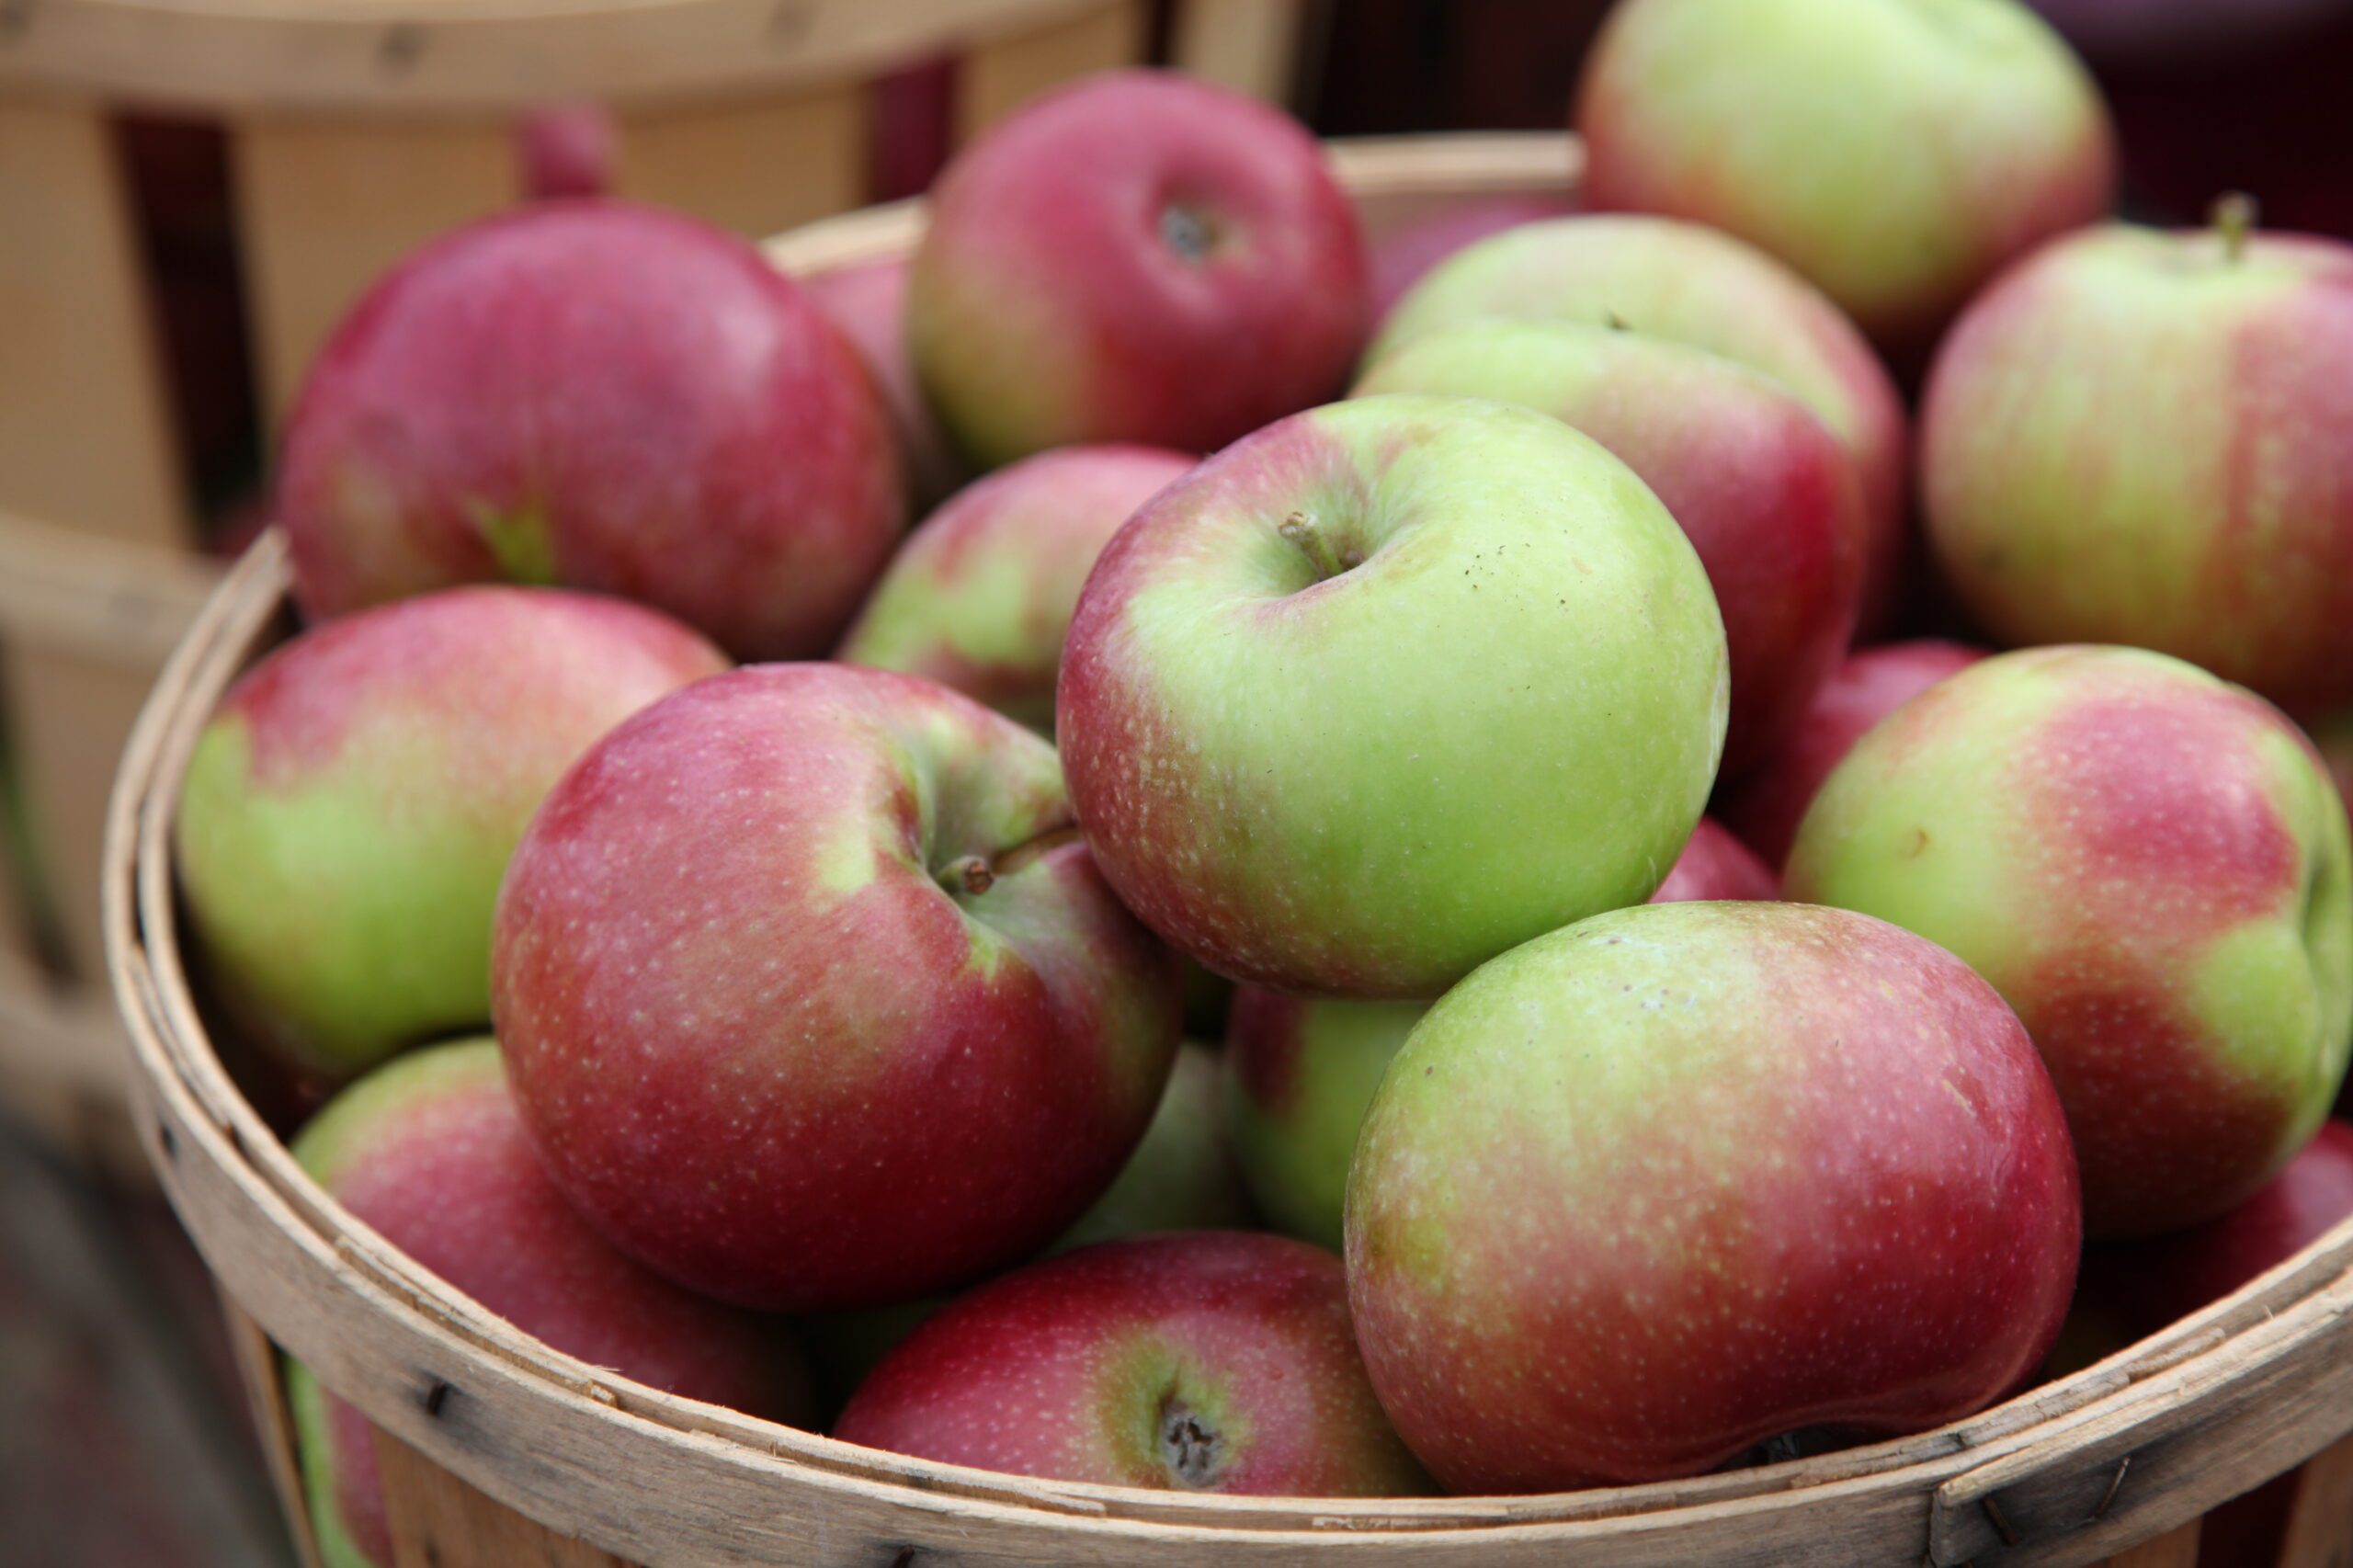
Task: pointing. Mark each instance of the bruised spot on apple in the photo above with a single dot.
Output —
(980, 597)
(428, 1152)
(1766, 492)
(814, 999)
(1286, 666)
(1139, 256)
(602, 395)
(349, 812)
(1764, 807)
(1657, 278)
(1209, 1361)
(2146, 437)
(1299, 1074)
(2153, 868)
(1649, 1191)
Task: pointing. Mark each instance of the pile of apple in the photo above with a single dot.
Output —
(832, 991)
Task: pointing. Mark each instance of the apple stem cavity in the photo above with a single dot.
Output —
(1191, 1452)
(2234, 218)
(972, 874)
(1314, 543)
(1188, 232)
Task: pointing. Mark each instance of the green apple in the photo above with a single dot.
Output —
(1387, 688)
(1896, 152)
(2152, 867)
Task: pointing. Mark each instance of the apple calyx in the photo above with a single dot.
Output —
(1188, 232)
(1192, 1452)
(2234, 217)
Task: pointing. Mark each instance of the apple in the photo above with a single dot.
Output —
(1896, 152)
(1207, 1361)
(1715, 865)
(428, 1153)
(2148, 438)
(1181, 1178)
(1678, 1178)
(1387, 688)
(868, 301)
(1764, 807)
(2334, 736)
(2151, 867)
(603, 396)
(980, 595)
(1139, 256)
(812, 996)
(1766, 492)
(1299, 1074)
(1694, 285)
(348, 811)
(1402, 256)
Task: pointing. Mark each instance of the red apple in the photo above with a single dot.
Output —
(812, 996)
(1650, 1189)
(430, 1153)
(1136, 257)
(981, 595)
(1206, 1361)
(1715, 865)
(1401, 256)
(1694, 285)
(605, 396)
(1766, 807)
(1766, 492)
(868, 302)
(567, 150)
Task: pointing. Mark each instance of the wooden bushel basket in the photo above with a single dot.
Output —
(498, 1453)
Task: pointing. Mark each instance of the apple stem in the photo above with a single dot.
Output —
(2234, 217)
(973, 874)
(1310, 542)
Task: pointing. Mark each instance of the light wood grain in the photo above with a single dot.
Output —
(441, 1522)
(1248, 45)
(85, 430)
(478, 58)
(756, 166)
(999, 76)
(2320, 1519)
(324, 206)
(2250, 1385)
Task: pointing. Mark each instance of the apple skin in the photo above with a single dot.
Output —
(1299, 1074)
(349, 810)
(1765, 806)
(2135, 437)
(566, 150)
(1244, 717)
(1208, 1361)
(599, 395)
(792, 959)
(867, 301)
(1767, 493)
(1402, 256)
(1692, 285)
(1707, 1173)
(428, 1152)
(1896, 153)
(1139, 256)
(1181, 1178)
(2151, 867)
(981, 595)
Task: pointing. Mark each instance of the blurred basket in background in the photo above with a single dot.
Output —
(322, 140)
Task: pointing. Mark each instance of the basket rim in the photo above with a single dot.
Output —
(266, 1227)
